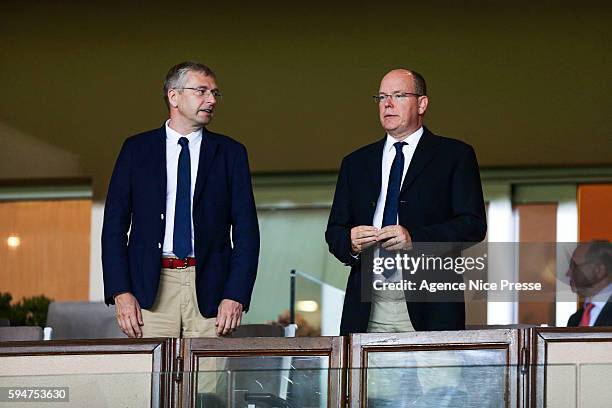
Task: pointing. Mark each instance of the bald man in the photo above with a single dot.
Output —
(590, 275)
(409, 187)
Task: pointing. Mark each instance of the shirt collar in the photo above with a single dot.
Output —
(601, 297)
(412, 140)
(173, 136)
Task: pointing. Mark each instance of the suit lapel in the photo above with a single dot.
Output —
(605, 316)
(208, 149)
(423, 154)
(159, 158)
(574, 319)
(374, 170)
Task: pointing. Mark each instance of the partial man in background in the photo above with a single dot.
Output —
(590, 274)
(184, 194)
(410, 186)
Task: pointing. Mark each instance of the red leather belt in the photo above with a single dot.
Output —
(175, 263)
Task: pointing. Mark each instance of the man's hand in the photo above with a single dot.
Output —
(394, 238)
(228, 317)
(129, 316)
(362, 237)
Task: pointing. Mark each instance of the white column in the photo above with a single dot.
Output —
(96, 287)
(567, 236)
(502, 224)
(332, 301)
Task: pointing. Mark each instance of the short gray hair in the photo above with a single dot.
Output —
(175, 78)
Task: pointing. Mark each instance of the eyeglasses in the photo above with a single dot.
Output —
(205, 92)
(397, 97)
(573, 265)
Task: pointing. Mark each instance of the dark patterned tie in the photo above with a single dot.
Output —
(182, 209)
(392, 200)
(393, 188)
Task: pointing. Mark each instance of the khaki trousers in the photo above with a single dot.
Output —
(389, 313)
(175, 313)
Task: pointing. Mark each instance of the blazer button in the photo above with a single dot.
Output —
(162, 216)
(159, 245)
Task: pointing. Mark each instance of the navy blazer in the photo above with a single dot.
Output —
(440, 201)
(604, 318)
(222, 202)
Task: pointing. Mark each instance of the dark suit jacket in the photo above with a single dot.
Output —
(440, 201)
(223, 199)
(604, 318)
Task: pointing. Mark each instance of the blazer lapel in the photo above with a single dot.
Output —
(208, 148)
(574, 319)
(605, 316)
(423, 154)
(159, 158)
(374, 167)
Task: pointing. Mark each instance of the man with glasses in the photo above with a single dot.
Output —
(184, 195)
(590, 275)
(409, 187)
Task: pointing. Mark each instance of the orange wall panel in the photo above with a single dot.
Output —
(52, 257)
(595, 212)
(537, 261)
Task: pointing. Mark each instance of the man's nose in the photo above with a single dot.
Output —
(388, 101)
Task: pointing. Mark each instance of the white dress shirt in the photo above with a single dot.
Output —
(389, 153)
(387, 160)
(599, 302)
(173, 149)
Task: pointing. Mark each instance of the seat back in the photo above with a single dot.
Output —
(21, 333)
(83, 320)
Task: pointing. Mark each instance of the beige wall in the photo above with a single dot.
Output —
(525, 84)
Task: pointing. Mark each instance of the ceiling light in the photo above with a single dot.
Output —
(13, 241)
(307, 306)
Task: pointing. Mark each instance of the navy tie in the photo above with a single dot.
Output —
(393, 188)
(392, 200)
(182, 209)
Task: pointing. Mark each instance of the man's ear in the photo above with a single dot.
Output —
(423, 102)
(172, 96)
(600, 272)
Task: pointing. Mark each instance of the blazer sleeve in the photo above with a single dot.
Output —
(468, 220)
(338, 233)
(117, 219)
(245, 234)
